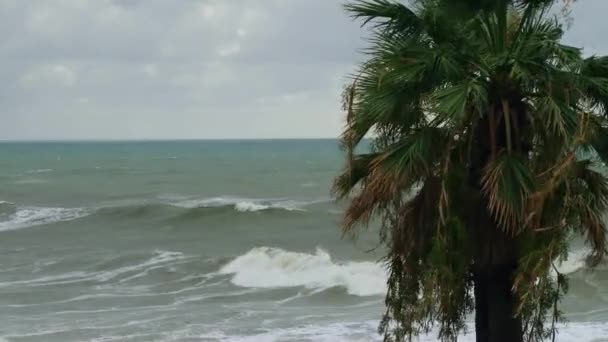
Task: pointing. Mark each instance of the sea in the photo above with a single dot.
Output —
(201, 241)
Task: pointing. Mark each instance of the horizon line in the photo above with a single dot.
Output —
(159, 140)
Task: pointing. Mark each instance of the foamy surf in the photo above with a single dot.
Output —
(35, 216)
(266, 267)
(244, 204)
(367, 331)
(576, 261)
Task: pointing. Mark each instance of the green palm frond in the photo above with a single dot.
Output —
(387, 15)
(598, 145)
(594, 83)
(358, 169)
(415, 156)
(590, 204)
(391, 174)
(507, 183)
(458, 103)
(556, 116)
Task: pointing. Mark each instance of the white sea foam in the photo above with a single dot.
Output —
(576, 261)
(250, 206)
(366, 331)
(265, 267)
(28, 181)
(336, 332)
(34, 216)
(159, 259)
(6, 208)
(39, 171)
(243, 204)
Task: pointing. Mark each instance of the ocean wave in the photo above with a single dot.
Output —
(30, 181)
(160, 258)
(109, 271)
(266, 267)
(39, 171)
(244, 204)
(134, 210)
(25, 217)
(14, 217)
(172, 211)
(7, 208)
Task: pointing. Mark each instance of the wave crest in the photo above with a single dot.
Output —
(13, 217)
(243, 204)
(35, 216)
(39, 171)
(266, 267)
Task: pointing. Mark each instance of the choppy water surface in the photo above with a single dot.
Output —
(198, 241)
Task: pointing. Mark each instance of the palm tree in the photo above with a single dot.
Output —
(489, 137)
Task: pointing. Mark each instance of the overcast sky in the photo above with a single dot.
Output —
(183, 69)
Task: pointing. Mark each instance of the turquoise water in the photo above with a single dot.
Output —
(198, 241)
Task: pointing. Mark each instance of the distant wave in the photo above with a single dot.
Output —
(6, 204)
(13, 217)
(30, 181)
(39, 171)
(194, 208)
(244, 204)
(33, 216)
(6, 208)
(266, 267)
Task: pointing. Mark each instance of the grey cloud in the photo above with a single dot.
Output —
(130, 69)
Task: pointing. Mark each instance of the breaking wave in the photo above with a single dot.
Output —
(14, 217)
(244, 204)
(35, 216)
(266, 267)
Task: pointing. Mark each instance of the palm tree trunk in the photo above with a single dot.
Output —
(495, 302)
(495, 259)
(494, 306)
